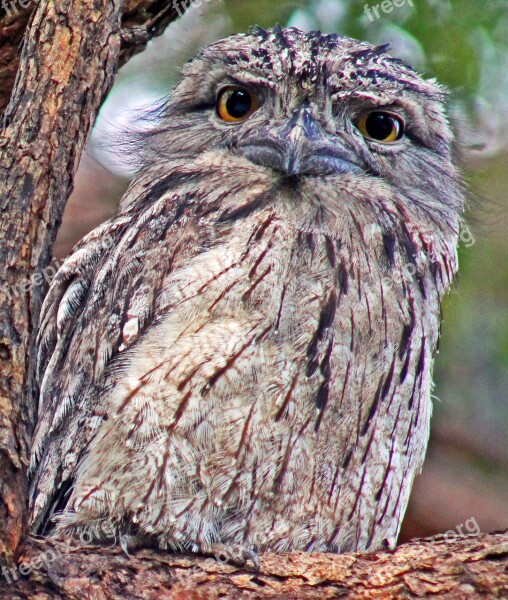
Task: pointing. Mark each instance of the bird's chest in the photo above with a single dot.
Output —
(295, 324)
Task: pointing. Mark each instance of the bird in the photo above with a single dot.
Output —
(242, 356)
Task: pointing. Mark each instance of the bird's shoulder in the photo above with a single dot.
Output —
(101, 301)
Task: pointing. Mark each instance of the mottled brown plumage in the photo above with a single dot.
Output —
(243, 354)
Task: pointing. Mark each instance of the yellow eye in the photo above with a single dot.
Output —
(381, 126)
(236, 104)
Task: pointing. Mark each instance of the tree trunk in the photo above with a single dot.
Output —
(52, 91)
(141, 20)
(70, 54)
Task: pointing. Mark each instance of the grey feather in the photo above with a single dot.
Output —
(244, 355)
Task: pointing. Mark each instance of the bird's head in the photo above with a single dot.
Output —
(298, 106)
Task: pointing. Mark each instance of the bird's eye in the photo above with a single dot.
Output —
(381, 126)
(236, 104)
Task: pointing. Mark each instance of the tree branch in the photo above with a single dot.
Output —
(141, 21)
(71, 52)
(465, 567)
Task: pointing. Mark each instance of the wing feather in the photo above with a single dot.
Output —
(100, 302)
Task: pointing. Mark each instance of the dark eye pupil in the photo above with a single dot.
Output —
(239, 104)
(379, 125)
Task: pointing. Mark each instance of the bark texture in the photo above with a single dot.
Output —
(461, 568)
(69, 57)
(67, 65)
(141, 20)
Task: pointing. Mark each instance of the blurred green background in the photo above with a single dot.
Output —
(464, 484)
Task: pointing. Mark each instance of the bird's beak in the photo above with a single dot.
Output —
(299, 147)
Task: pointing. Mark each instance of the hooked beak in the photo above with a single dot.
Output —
(299, 147)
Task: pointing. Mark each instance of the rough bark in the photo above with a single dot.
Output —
(141, 21)
(67, 65)
(461, 568)
(70, 54)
